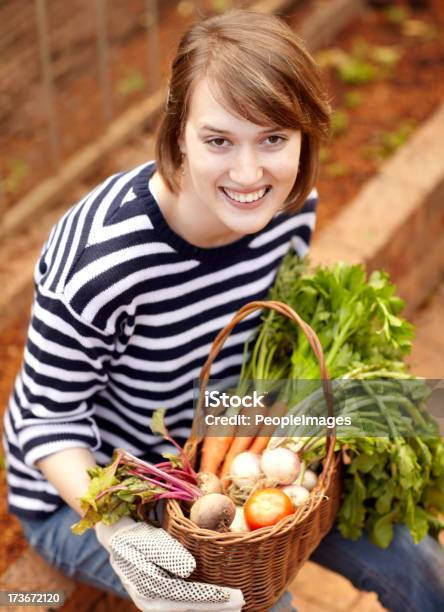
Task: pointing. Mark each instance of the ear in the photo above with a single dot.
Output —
(181, 143)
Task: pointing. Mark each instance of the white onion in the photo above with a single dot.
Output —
(245, 468)
(297, 494)
(280, 464)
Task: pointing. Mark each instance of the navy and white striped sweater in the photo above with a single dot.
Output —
(124, 315)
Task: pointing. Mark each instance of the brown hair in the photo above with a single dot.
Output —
(259, 69)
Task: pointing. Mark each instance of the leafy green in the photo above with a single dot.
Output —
(395, 468)
(129, 486)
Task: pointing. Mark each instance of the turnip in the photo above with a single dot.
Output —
(245, 469)
(281, 465)
(309, 479)
(297, 493)
(239, 523)
(208, 483)
(213, 511)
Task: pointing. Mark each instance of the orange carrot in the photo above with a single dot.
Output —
(242, 443)
(215, 447)
(279, 409)
(218, 440)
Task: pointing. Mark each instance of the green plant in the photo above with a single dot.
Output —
(220, 6)
(356, 71)
(352, 98)
(131, 83)
(17, 169)
(363, 64)
(324, 155)
(384, 56)
(389, 142)
(396, 14)
(339, 122)
(337, 169)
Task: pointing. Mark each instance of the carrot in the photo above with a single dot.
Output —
(241, 443)
(214, 449)
(279, 409)
(218, 439)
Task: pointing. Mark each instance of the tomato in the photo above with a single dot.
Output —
(267, 507)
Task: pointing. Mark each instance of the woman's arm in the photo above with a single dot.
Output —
(66, 471)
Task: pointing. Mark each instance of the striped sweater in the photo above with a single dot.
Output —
(123, 318)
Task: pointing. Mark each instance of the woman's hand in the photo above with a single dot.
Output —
(152, 566)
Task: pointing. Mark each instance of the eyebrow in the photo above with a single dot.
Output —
(210, 128)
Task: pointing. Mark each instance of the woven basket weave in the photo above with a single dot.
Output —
(263, 562)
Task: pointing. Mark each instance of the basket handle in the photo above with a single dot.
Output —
(315, 344)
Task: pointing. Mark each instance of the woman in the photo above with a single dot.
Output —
(135, 281)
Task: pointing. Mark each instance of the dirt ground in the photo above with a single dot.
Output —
(380, 114)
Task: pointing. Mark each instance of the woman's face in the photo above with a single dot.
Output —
(237, 174)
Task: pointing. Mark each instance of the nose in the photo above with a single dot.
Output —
(246, 170)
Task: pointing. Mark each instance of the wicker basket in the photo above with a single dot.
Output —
(263, 562)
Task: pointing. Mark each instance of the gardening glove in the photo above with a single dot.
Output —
(151, 565)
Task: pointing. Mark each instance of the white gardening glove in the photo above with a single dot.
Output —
(151, 565)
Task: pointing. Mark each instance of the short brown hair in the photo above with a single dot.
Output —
(260, 70)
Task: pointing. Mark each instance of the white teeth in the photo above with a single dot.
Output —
(245, 197)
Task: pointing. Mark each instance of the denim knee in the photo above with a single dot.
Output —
(406, 577)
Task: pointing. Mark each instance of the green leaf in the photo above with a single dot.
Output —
(384, 500)
(381, 531)
(175, 460)
(158, 423)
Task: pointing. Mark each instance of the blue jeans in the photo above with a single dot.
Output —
(406, 577)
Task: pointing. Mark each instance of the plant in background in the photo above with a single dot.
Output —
(352, 98)
(363, 64)
(220, 6)
(132, 82)
(337, 169)
(389, 142)
(396, 15)
(17, 169)
(339, 122)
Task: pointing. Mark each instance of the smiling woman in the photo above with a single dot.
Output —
(231, 185)
(135, 281)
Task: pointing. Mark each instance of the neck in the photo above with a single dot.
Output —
(178, 211)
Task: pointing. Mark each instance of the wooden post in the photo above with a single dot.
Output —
(152, 18)
(103, 60)
(47, 81)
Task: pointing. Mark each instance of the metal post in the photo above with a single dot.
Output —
(103, 59)
(152, 10)
(47, 79)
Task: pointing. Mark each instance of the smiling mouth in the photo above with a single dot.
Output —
(246, 198)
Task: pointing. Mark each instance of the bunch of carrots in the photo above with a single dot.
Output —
(219, 451)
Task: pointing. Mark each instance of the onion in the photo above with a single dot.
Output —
(281, 465)
(245, 469)
(297, 494)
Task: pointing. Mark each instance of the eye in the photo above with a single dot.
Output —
(275, 139)
(217, 142)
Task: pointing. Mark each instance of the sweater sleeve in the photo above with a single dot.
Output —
(64, 365)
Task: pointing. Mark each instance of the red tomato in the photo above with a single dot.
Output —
(267, 507)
